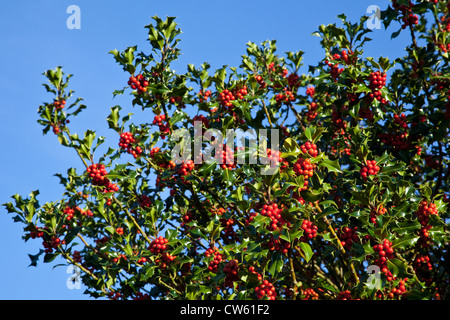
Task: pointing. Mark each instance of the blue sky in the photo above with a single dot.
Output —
(34, 38)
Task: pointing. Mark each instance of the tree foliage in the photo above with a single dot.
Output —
(362, 181)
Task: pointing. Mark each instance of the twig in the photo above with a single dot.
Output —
(267, 113)
(133, 220)
(298, 117)
(340, 247)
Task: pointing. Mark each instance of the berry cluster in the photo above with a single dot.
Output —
(98, 174)
(159, 245)
(142, 260)
(375, 212)
(77, 256)
(202, 118)
(425, 210)
(278, 245)
(120, 257)
(398, 140)
(204, 95)
(347, 236)
(154, 151)
(309, 294)
(422, 263)
(51, 244)
(273, 211)
(311, 91)
(217, 259)
(260, 81)
(114, 295)
(408, 18)
(229, 235)
(119, 231)
(400, 120)
(385, 252)
(366, 113)
(344, 295)
(187, 217)
(266, 289)
(423, 213)
(177, 100)
(431, 162)
(164, 128)
(164, 260)
(274, 157)
(284, 97)
(424, 234)
(141, 296)
(253, 271)
(304, 167)
(36, 234)
(371, 168)
(69, 212)
(227, 158)
(186, 167)
(309, 149)
(145, 201)
(225, 99)
(240, 93)
(59, 104)
(311, 114)
(271, 67)
(398, 290)
(344, 56)
(231, 271)
(377, 80)
(139, 82)
(309, 230)
(293, 81)
(335, 71)
(337, 120)
(126, 142)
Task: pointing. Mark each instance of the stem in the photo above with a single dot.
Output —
(168, 286)
(78, 152)
(132, 219)
(413, 36)
(294, 279)
(297, 116)
(267, 113)
(340, 247)
(93, 276)
(91, 247)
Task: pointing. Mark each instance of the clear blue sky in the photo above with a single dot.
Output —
(34, 38)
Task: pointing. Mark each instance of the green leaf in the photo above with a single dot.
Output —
(332, 166)
(395, 34)
(34, 258)
(177, 117)
(291, 146)
(277, 264)
(405, 242)
(49, 257)
(307, 251)
(228, 177)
